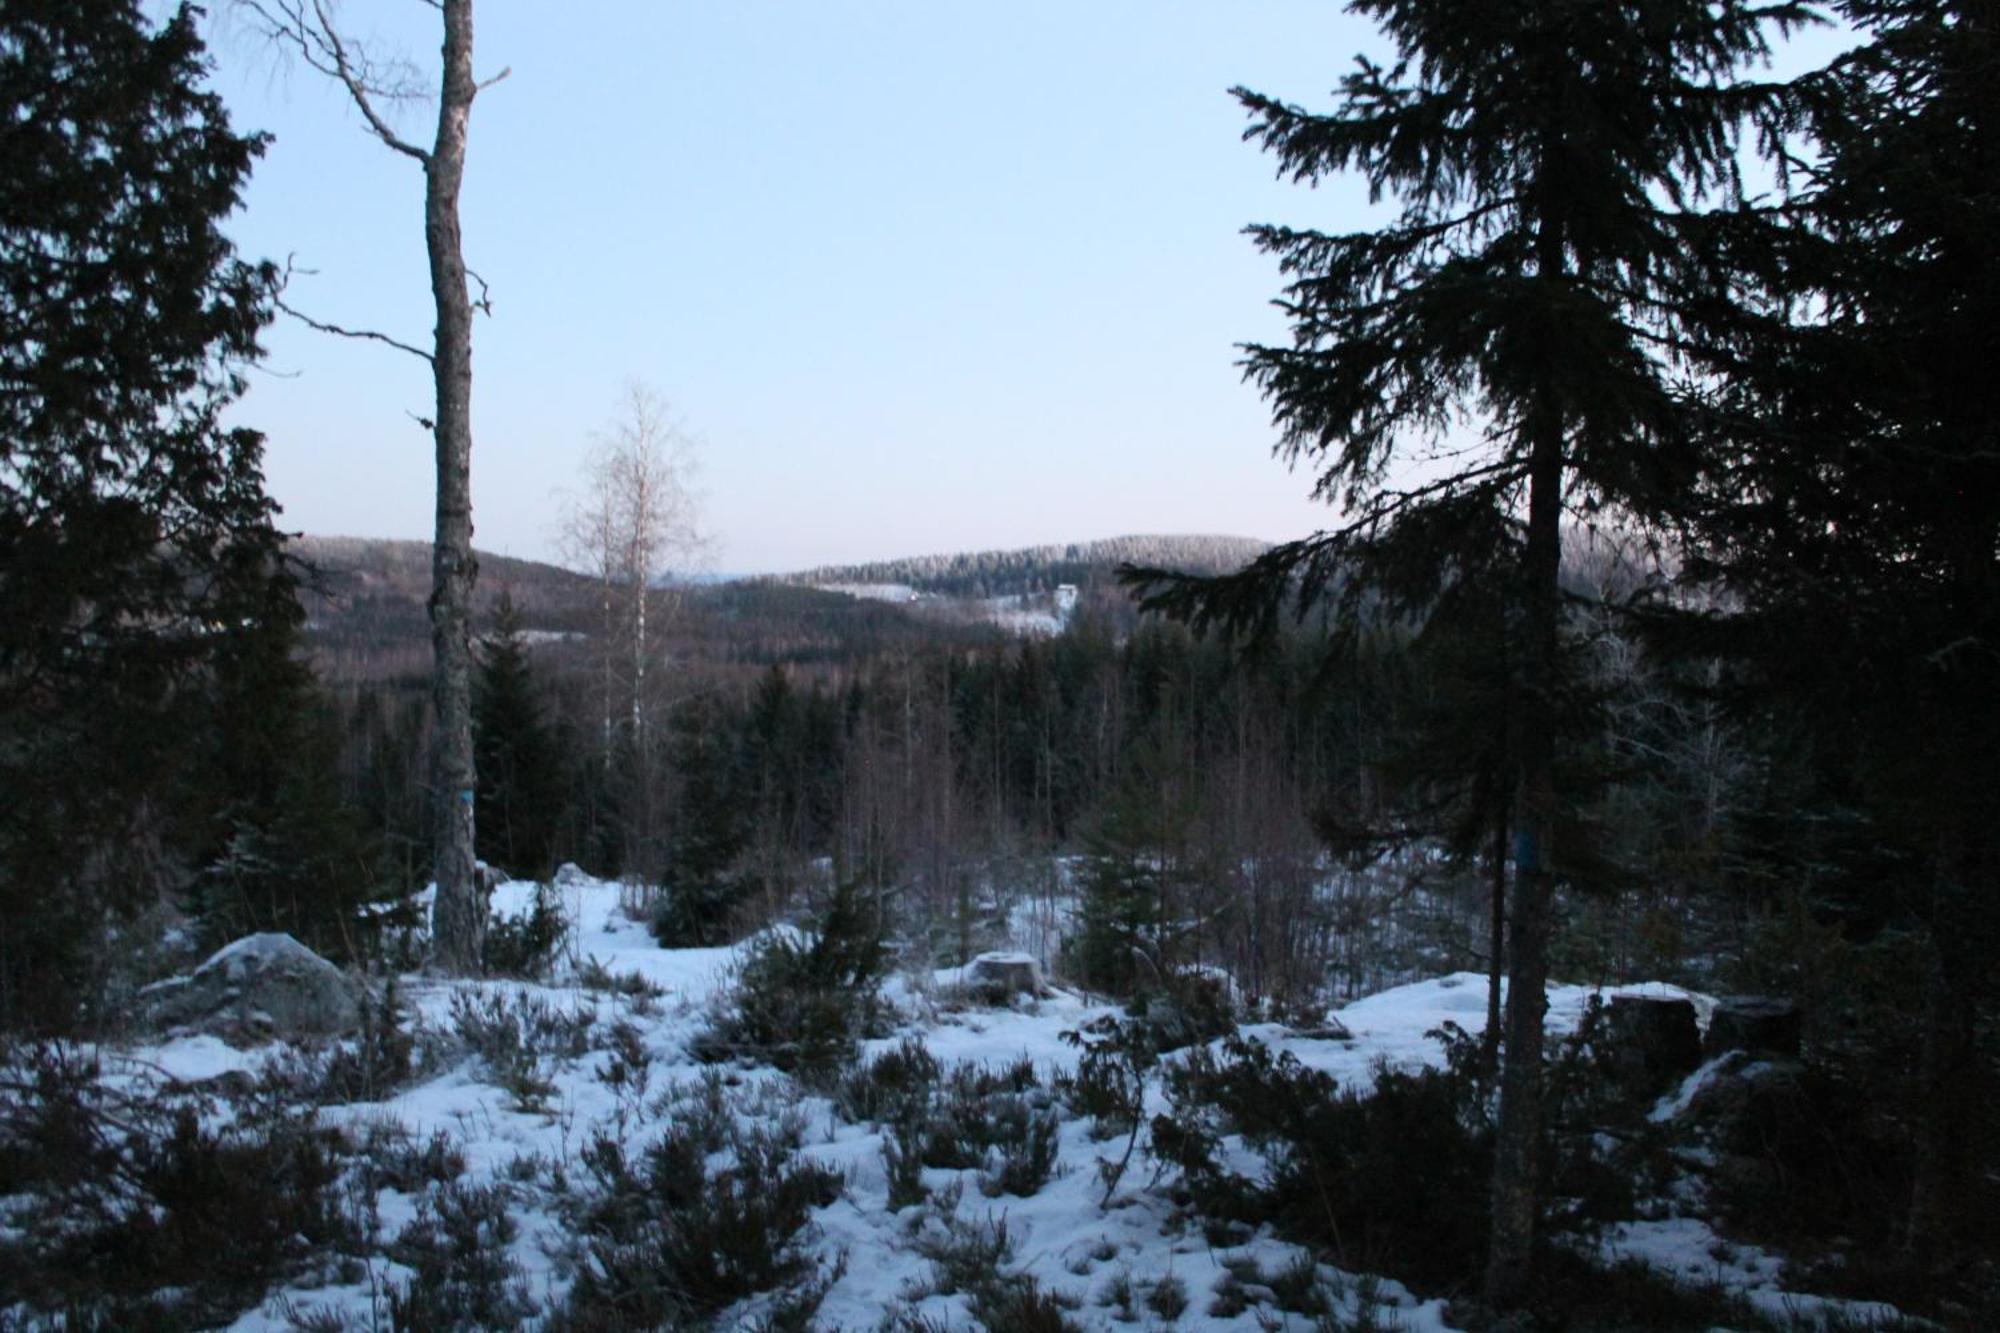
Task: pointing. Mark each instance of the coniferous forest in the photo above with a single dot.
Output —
(1561, 893)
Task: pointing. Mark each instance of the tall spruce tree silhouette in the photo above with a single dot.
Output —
(1851, 507)
(1545, 155)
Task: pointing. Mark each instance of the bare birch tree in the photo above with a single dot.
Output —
(310, 31)
(636, 521)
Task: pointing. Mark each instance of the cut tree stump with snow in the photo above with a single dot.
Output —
(998, 977)
(260, 987)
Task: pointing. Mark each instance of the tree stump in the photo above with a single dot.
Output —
(998, 977)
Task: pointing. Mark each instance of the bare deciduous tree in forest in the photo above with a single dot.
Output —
(309, 30)
(634, 523)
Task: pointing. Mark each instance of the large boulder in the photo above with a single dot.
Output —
(259, 987)
(1755, 1023)
(1654, 1040)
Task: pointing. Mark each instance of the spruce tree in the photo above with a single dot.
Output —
(704, 882)
(521, 790)
(135, 534)
(1544, 155)
(1140, 871)
(275, 847)
(1852, 511)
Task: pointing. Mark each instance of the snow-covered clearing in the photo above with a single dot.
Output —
(1103, 1261)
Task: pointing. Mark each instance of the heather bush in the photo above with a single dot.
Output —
(667, 1241)
(131, 1208)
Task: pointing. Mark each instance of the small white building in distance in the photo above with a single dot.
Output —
(1065, 599)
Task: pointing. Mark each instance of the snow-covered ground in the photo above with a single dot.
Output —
(1087, 1252)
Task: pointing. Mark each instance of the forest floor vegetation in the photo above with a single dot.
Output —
(797, 1132)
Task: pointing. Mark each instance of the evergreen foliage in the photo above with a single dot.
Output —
(1388, 1179)
(135, 536)
(521, 791)
(803, 1004)
(1040, 568)
(1545, 158)
(704, 882)
(1137, 880)
(283, 852)
(1852, 512)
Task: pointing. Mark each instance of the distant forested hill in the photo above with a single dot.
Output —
(366, 601)
(1038, 568)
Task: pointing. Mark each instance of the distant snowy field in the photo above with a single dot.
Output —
(1020, 614)
(1064, 1238)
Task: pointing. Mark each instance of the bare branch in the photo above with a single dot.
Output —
(322, 326)
(483, 85)
(484, 302)
(312, 36)
(369, 334)
(359, 89)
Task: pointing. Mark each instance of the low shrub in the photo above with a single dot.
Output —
(903, 1162)
(378, 1061)
(389, 1158)
(1393, 1179)
(1571, 1291)
(1109, 1084)
(971, 1256)
(1018, 1305)
(1168, 1299)
(804, 1004)
(1184, 1006)
(127, 1210)
(891, 1087)
(513, 1033)
(1001, 1121)
(595, 976)
(668, 1241)
(1805, 1155)
(463, 1280)
(965, 1254)
(1023, 1133)
(525, 946)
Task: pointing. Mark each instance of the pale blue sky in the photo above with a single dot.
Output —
(918, 276)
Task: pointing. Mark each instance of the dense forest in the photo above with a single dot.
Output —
(1653, 642)
(799, 735)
